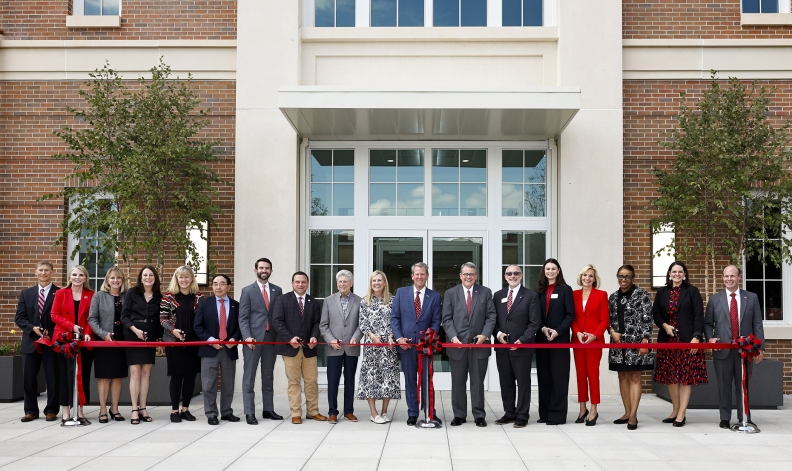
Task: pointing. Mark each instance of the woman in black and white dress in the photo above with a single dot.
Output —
(379, 371)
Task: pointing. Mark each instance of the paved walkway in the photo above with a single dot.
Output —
(279, 445)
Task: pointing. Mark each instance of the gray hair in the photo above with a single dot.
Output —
(419, 265)
(347, 274)
(470, 265)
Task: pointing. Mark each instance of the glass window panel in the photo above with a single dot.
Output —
(535, 166)
(535, 200)
(411, 199)
(321, 243)
(344, 244)
(344, 166)
(473, 199)
(512, 200)
(535, 248)
(411, 12)
(774, 309)
(511, 248)
(772, 271)
(321, 282)
(474, 13)
(531, 276)
(512, 161)
(532, 12)
(343, 199)
(383, 12)
(325, 13)
(769, 6)
(411, 165)
(473, 166)
(511, 13)
(321, 199)
(758, 288)
(382, 200)
(445, 199)
(110, 7)
(446, 12)
(383, 166)
(754, 270)
(345, 13)
(445, 165)
(321, 165)
(92, 7)
(750, 6)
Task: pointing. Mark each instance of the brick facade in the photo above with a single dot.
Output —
(140, 20)
(29, 113)
(691, 19)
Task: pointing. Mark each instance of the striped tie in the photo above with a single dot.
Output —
(41, 302)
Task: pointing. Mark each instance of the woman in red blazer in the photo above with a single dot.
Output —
(591, 320)
(70, 313)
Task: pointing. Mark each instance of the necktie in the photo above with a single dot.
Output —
(223, 320)
(735, 325)
(469, 302)
(509, 302)
(266, 301)
(41, 302)
(417, 304)
(302, 308)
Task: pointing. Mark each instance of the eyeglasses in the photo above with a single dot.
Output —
(513, 273)
(467, 275)
(624, 277)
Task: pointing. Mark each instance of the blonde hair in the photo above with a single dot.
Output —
(85, 272)
(174, 287)
(106, 285)
(386, 296)
(588, 267)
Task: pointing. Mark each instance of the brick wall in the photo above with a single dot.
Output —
(140, 19)
(691, 19)
(29, 113)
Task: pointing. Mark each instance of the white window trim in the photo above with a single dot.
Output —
(78, 18)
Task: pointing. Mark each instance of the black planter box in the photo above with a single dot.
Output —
(159, 383)
(766, 390)
(11, 387)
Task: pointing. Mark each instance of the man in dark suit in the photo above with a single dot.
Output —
(255, 305)
(518, 318)
(217, 318)
(33, 317)
(295, 317)
(732, 313)
(468, 318)
(415, 308)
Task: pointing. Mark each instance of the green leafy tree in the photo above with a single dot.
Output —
(144, 173)
(729, 191)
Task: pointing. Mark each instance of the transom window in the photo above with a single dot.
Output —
(397, 12)
(460, 13)
(760, 6)
(522, 12)
(459, 182)
(524, 177)
(335, 13)
(332, 182)
(396, 182)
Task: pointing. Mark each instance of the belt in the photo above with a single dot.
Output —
(144, 321)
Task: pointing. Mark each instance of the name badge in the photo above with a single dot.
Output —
(503, 300)
(554, 296)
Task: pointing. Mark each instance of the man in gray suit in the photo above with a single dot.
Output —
(468, 318)
(254, 323)
(732, 313)
(341, 323)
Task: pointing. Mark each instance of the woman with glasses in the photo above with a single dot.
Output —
(630, 322)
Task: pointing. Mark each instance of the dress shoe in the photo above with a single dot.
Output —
(582, 418)
(268, 414)
(624, 420)
(632, 426)
(437, 420)
(185, 415)
(175, 417)
(412, 420)
(251, 419)
(333, 419)
(520, 423)
(503, 421)
(458, 421)
(378, 419)
(680, 424)
(592, 422)
(724, 424)
(51, 417)
(213, 420)
(386, 418)
(29, 417)
(351, 417)
(297, 420)
(230, 418)
(553, 422)
(318, 418)
(480, 422)
(541, 421)
(669, 420)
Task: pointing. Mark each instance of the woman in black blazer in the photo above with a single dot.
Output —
(552, 364)
(678, 311)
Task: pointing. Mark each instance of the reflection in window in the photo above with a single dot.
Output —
(101, 7)
(332, 182)
(459, 182)
(460, 13)
(760, 6)
(397, 12)
(661, 240)
(524, 183)
(762, 275)
(528, 250)
(396, 185)
(199, 235)
(522, 13)
(338, 13)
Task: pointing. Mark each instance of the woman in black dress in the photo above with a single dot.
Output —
(141, 321)
(110, 363)
(630, 322)
(679, 313)
(177, 315)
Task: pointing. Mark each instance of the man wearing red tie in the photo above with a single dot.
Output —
(217, 318)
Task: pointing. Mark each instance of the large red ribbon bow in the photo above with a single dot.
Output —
(749, 347)
(428, 345)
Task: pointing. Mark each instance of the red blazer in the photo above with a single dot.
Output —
(595, 318)
(63, 312)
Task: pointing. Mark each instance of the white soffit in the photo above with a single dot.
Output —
(351, 113)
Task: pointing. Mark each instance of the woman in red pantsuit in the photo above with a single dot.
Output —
(591, 320)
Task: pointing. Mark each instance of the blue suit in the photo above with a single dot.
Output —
(405, 325)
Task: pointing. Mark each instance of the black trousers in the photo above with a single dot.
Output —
(182, 387)
(552, 371)
(32, 363)
(334, 366)
(66, 367)
(514, 373)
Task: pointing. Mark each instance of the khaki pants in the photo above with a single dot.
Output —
(298, 367)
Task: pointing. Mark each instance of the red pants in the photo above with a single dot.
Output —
(587, 364)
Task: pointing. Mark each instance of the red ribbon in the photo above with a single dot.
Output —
(749, 348)
(428, 345)
(70, 349)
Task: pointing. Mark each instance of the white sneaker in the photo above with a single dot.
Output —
(386, 418)
(378, 419)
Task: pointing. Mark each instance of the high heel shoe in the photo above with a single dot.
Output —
(582, 418)
(669, 420)
(680, 424)
(593, 421)
(133, 420)
(144, 418)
